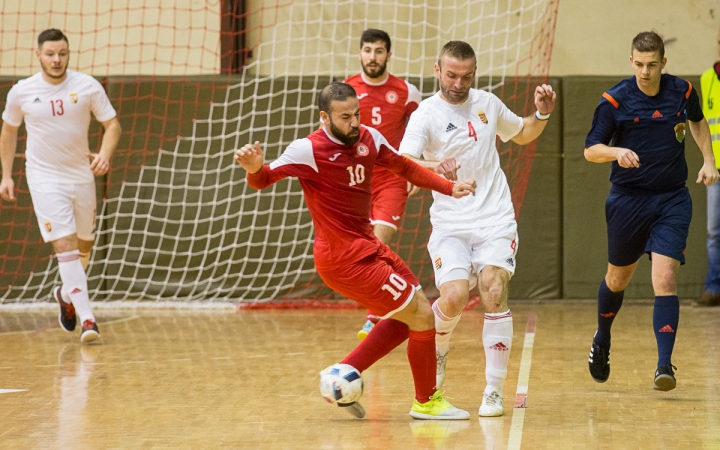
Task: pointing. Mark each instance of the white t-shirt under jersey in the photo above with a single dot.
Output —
(57, 118)
(467, 133)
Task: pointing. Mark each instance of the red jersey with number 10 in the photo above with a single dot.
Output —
(336, 180)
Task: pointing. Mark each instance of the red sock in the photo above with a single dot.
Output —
(423, 363)
(384, 337)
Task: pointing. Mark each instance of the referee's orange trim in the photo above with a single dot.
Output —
(609, 98)
(687, 94)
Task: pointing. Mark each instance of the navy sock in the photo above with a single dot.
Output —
(609, 304)
(666, 316)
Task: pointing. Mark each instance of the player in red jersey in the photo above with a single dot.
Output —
(386, 103)
(334, 165)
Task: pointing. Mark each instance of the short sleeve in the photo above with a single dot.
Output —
(603, 125)
(509, 124)
(416, 135)
(13, 114)
(413, 100)
(694, 109)
(100, 104)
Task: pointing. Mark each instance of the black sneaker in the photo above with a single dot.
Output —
(599, 362)
(665, 378)
(67, 317)
(89, 331)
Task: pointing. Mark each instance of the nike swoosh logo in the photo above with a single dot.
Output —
(362, 96)
(334, 157)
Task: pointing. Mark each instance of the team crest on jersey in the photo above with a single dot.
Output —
(362, 149)
(48, 226)
(483, 117)
(74, 97)
(438, 262)
(680, 131)
(391, 97)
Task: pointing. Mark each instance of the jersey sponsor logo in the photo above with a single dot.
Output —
(48, 226)
(437, 261)
(483, 117)
(680, 131)
(362, 96)
(74, 97)
(362, 150)
(334, 157)
(37, 100)
(450, 127)
(391, 97)
(656, 114)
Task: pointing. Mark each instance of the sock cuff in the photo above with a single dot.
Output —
(426, 335)
(441, 315)
(498, 317)
(70, 256)
(605, 290)
(669, 300)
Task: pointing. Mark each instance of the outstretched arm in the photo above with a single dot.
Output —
(425, 178)
(8, 143)
(532, 125)
(701, 133)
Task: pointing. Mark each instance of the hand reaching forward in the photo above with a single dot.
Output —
(250, 157)
(448, 167)
(463, 188)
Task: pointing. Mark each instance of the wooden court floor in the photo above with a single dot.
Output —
(192, 380)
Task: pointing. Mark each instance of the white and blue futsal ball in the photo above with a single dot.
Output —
(341, 383)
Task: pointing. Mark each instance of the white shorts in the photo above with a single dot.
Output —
(462, 254)
(65, 209)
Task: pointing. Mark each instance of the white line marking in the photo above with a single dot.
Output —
(8, 391)
(518, 418)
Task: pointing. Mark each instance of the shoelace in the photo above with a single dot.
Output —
(492, 399)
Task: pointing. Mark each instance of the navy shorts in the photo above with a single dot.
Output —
(646, 223)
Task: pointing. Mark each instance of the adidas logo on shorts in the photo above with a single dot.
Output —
(511, 262)
(450, 127)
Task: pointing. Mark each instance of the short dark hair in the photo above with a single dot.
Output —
(648, 41)
(52, 34)
(372, 35)
(338, 91)
(459, 50)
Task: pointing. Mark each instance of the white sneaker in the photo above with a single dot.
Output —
(440, 373)
(492, 404)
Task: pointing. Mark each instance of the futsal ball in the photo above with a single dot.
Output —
(341, 383)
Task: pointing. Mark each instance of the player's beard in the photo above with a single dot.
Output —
(347, 139)
(375, 73)
(50, 74)
(455, 97)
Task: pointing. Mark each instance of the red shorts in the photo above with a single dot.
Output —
(389, 195)
(382, 282)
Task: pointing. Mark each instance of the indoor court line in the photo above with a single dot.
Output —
(518, 418)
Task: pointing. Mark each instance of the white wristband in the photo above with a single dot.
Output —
(539, 116)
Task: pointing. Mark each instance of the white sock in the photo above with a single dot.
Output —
(497, 340)
(444, 327)
(75, 283)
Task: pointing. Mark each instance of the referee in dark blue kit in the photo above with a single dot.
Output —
(639, 126)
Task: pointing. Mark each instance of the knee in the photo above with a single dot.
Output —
(454, 301)
(424, 316)
(664, 284)
(616, 283)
